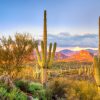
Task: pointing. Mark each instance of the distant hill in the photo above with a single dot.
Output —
(94, 52)
(60, 56)
(67, 52)
(81, 56)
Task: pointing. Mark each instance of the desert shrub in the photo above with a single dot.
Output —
(61, 88)
(86, 90)
(12, 94)
(3, 92)
(35, 89)
(81, 90)
(15, 57)
(15, 94)
(26, 73)
(55, 90)
(22, 85)
(36, 86)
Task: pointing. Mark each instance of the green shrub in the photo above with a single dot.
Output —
(21, 96)
(8, 93)
(15, 94)
(35, 86)
(3, 92)
(22, 85)
(37, 90)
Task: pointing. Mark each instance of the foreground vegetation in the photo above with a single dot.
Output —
(20, 79)
(56, 89)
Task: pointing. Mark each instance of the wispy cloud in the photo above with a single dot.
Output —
(67, 40)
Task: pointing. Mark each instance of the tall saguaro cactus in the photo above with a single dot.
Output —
(45, 59)
(97, 64)
(45, 36)
(99, 37)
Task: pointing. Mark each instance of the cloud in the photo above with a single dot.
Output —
(67, 40)
(64, 34)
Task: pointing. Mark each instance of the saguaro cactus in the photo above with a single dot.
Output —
(45, 59)
(97, 64)
(99, 38)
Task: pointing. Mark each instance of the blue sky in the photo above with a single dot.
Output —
(73, 20)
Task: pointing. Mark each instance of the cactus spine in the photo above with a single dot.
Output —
(97, 64)
(45, 61)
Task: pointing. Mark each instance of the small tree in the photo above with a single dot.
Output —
(6, 54)
(13, 52)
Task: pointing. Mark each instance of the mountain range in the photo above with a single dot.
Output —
(67, 55)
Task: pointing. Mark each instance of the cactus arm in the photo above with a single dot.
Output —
(53, 54)
(54, 50)
(38, 56)
(49, 55)
(42, 55)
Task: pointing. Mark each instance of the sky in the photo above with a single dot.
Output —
(71, 23)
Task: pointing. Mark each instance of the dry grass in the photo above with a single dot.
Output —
(73, 89)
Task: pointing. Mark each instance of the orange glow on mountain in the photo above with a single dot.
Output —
(81, 56)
